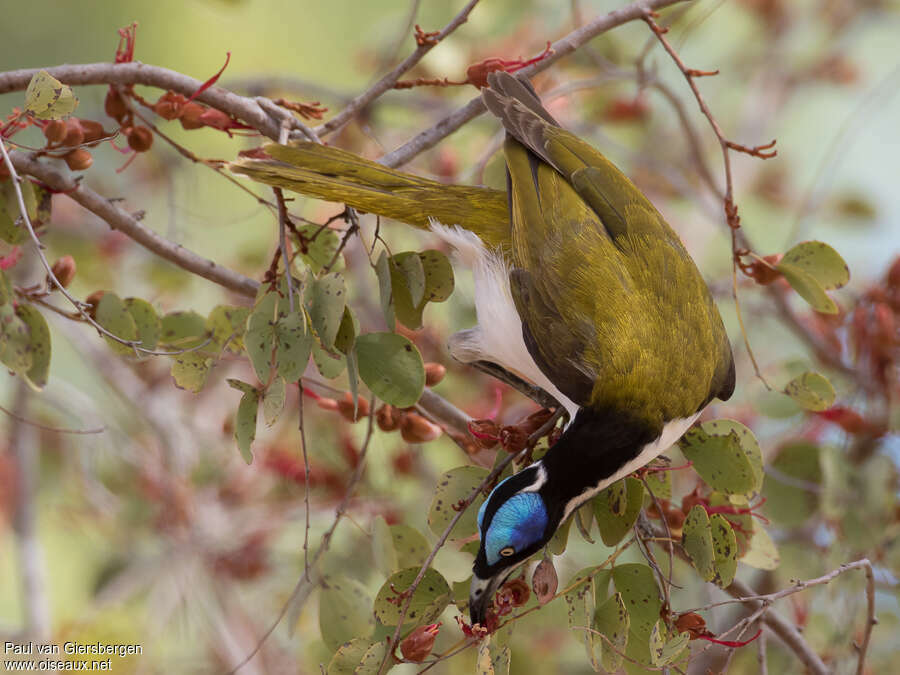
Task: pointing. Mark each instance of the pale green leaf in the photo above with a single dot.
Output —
(821, 262)
(811, 390)
(190, 370)
(808, 288)
(611, 620)
(725, 549)
(625, 496)
(38, 343)
(430, 598)
(383, 552)
(182, 330)
(273, 400)
(47, 98)
(696, 539)
(329, 365)
(391, 367)
(325, 301)
(245, 423)
(113, 315)
(344, 610)
(146, 322)
(637, 585)
(453, 486)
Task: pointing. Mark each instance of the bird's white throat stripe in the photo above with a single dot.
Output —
(671, 432)
(498, 335)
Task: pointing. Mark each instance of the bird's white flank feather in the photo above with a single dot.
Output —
(498, 335)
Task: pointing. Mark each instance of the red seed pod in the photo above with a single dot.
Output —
(403, 462)
(345, 406)
(92, 301)
(434, 373)
(78, 159)
(216, 119)
(485, 432)
(388, 418)
(418, 645)
(848, 420)
(74, 132)
(169, 106)
(55, 131)
(691, 622)
(514, 593)
(513, 438)
(93, 131)
(544, 581)
(114, 105)
(64, 270)
(190, 116)
(416, 429)
(627, 110)
(326, 403)
(477, 73)
(140, 139)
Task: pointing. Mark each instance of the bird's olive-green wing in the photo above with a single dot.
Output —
(614, 310)
(339, 176)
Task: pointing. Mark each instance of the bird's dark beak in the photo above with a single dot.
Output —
(481, 596)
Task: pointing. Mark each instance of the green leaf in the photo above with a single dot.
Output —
(344, 610)
(47, 98)
(412, 274)
(662, 650)
(359, 656)
(718, 456)
(383, 272)
(452, 487)
(808, 288)
(626, 496)
(384, 554)
(725, 549)
(325, 301)
(697, 541)
(611, 619)
(584, 519)
(329, 365)
(114, 316)
(657, 643)
(259, 340)
(38, 344)
(15, 341)
(183, 330)
(243, 387)
(391, 367)
(659, 484)
(812, 391)
(12, 228)
(762, 553)
(146, 322)
(317, 247)
(273, 400)
(431, 597)
(347, 332)
(293, 344)
(560, 539)
(638, 587)
(227, 324)
(580, 603)
(793, 485)
(410, 545)
(191, 369)
(674, 648)
(438, 284)
(821, 262)
(245, 423)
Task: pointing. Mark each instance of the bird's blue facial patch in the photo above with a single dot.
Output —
(516, 525)
(484, 505)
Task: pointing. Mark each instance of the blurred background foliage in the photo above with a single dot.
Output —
(156, 531)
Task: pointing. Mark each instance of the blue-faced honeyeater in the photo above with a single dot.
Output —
(581, 290)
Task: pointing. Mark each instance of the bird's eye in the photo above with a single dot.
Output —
(507, 551)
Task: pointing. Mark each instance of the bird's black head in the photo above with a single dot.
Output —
(514, 522)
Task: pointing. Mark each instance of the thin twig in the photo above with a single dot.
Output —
(388, 81)
(45, 427)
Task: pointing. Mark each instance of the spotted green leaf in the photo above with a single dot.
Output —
(664, 651)
(273, 400)
(580, 605)
(385, 293)
(560, 539)
(391, 367)
(182, 330)
(430, 598)
(293, 343)
(318, 246)
(725, 549)
(329, 365)
(452, 487)
(438, 284)
(384, 554)
(15, 341)
(821, 262)
(625, 497)
(259, 340)
(612, 621)
(359, 656)
(696, 539)
(719, 458)
(808, 288)
(325, 301)
(146, 322)
(344, 610)
(191, 369)
(12, 226)
(762, 553)
(245, 423)
(47, 98)
(347, 332)
(659, 484)
(812, 391)
(38, 343)
(640, 593)
(227, 324)
(410, 545)
(113, 315)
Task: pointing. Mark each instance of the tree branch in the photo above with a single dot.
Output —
(124, 222)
